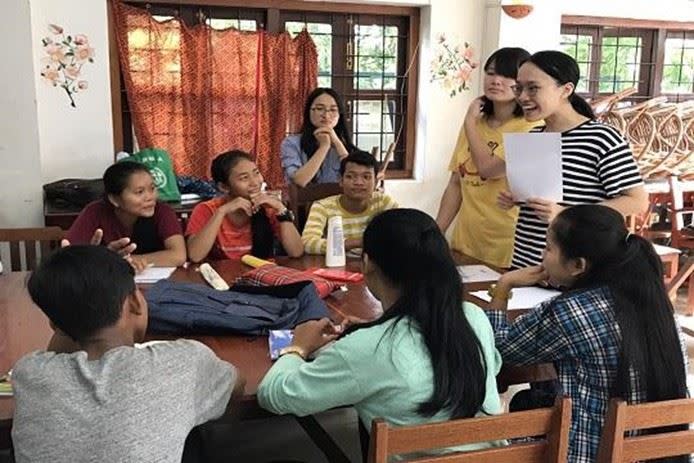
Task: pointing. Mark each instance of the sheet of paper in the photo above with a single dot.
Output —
(477, 273)
(533, 165)
(664, 250)
(154, 274)
(523, 298)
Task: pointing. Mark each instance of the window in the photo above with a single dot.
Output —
(613, 55)
(365, 56)
(678, 64)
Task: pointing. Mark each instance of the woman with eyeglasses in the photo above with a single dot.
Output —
(597, 164)
(478, 170)
(314, 155)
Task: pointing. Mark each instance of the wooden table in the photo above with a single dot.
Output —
(24, 328)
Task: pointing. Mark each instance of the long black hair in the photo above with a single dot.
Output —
(506, 62)
(563, 69)
(412, 254)
(309, 144)
(261, 230)
(629, 266)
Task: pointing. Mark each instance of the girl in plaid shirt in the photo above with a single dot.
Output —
(595, 332)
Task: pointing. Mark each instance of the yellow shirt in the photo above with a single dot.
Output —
(483, 230)
(353, 225)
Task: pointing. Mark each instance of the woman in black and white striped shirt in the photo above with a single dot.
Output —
(597, 164)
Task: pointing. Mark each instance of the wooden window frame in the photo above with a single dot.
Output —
(273, 10)
(654, 34)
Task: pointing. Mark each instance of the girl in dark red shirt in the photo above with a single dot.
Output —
(129, 214)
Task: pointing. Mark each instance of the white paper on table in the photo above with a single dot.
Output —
(523, 298)
(154, 274)
(533, 165)
(665, 250)
(477, 273)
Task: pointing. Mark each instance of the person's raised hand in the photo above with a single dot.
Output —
(122, 246)
(474, 111)
(528, 276)
(263, 198)
(237, 204)
(323, 135)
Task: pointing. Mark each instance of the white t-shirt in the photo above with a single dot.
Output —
(132, 404)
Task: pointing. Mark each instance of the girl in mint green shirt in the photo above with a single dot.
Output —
(428, 358)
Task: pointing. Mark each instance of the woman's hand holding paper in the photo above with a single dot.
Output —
(545, 209)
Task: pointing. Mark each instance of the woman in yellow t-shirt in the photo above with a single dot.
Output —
(478, 171)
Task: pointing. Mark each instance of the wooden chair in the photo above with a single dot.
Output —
(300, 199)
(552, 422)
(685, 273)
(680, 236)
(614, 447)
(29, 239)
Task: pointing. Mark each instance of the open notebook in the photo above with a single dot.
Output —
(523, 298)
(154, 274)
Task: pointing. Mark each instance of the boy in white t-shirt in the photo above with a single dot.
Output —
(93, 396)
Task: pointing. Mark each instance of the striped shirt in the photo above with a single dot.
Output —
(353, 225)
(597, 165)
(579, 333)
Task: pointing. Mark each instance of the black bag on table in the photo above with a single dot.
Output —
(74, 191)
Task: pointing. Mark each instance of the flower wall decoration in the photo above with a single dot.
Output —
(65, 56)
(452, 65)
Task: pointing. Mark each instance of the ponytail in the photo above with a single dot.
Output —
(410, 251)
(581, 106)
(628, 266)
(262, 235)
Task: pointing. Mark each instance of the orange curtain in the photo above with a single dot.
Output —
(197, 92)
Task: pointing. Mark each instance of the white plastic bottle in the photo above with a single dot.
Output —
(335, 250)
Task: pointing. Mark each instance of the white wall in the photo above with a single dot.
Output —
(439, 116)
(20, 171)
(42, 138)
(75, 142)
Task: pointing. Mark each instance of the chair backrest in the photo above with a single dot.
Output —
(614, 447)
(551, 422)
(677, 193)
(28, 240)
(300, 199)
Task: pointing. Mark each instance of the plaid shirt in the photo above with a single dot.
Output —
(578, 332)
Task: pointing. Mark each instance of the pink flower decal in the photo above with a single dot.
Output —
(64, 59)
(453, 65)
